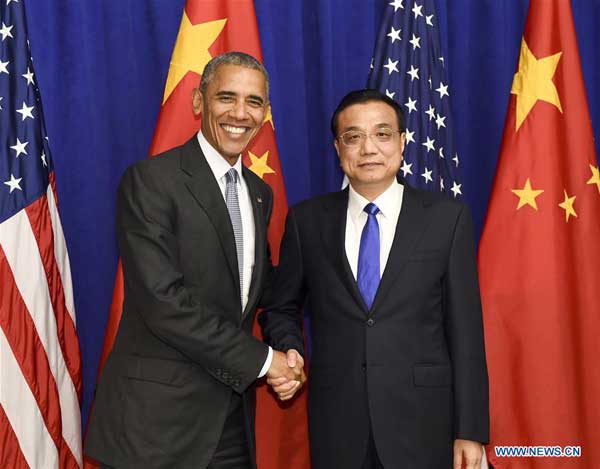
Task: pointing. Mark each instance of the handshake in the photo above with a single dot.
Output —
(286, 374)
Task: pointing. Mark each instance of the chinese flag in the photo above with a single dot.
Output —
(209, 28)
(539, 256)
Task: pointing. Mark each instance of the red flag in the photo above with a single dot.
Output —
(539, 256)
(209, 28)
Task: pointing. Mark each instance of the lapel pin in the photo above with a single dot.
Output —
(259, 199)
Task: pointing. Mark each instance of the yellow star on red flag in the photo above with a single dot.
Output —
(191, 50)
(595, 179)
(259, 164)
(533, 82)
(567, 206)
(527, 195)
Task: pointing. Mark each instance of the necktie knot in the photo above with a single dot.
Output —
(231, 176)
(371, 209)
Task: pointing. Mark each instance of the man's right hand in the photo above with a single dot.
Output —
(286, 374)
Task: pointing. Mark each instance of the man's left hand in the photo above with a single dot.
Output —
(467, 454)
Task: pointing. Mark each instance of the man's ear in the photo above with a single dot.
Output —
(197, 100)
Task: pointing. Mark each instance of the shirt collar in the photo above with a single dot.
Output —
(218, 165)
(386, 201)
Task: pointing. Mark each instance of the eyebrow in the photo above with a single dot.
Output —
(377, 126)
(232, 95)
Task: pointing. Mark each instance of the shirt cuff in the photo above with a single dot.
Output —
(267, 364)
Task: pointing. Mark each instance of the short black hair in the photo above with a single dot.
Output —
(240, 59)
(365, 96)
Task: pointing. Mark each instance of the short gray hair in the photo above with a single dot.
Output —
(240, 59)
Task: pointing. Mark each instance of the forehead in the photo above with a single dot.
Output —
(367, 115)
(239, 80)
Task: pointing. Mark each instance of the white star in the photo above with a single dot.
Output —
(456, 189)
(410, 136)
(25, 111)
(430, 112)
(406, 168)
(416, 9)
(413, 72)
(415, 41)
(427, 175)
(394, 34)
(441, 152)
(441, 183)
(28, 76)
(390, 94)
(397, 4)
(411, 105)
(3, 67)
(441, 59)
(442, 90)
(428, 20)
(429, 80)
(43, 158)
(391, 66)
(1, 98)
(455, 159)
(440, 121)
(8, 2)
(19, 147)
(429, 144)
(13, 183)
(5, 31)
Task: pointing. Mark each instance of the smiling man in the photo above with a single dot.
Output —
(398, 376)
(177, 390)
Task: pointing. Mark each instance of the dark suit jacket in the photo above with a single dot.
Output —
(183, 346)
(414, 366)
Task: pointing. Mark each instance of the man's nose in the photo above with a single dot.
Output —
(239, 110)
(368, 147)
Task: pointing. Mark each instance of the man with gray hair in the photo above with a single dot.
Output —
(177, 390)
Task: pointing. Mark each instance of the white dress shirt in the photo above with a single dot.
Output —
(219, 167)
(389, 204)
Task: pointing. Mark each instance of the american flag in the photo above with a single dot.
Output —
(40, 367)
(408, 66)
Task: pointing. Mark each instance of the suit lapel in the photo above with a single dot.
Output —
(411, 223)
(260, 229)
(206, 191)
(333, 235)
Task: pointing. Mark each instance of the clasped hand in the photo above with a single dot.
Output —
(286, 374)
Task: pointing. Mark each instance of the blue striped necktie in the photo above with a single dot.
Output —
(368, 273)
(233, 207)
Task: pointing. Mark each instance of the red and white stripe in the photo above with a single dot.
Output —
(40, 368)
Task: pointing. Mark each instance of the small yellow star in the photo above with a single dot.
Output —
(595, 179)
(269, 117)
(533, 82)
(567, 205)
(527, 195)
(259, 164)
(191, 50)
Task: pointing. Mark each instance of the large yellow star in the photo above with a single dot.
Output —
(191, 50)
(567, 205)
(533, 82)
(527, 195)
(259, 164)
(595, 179)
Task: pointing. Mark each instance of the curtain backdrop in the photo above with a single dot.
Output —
(101, 68)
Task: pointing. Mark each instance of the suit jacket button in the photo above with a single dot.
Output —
(363, 367)
(370, 322)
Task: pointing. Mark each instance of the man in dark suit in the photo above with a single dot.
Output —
(398, 376)
(177, 390)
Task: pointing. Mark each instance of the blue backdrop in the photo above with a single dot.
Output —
(101, 68)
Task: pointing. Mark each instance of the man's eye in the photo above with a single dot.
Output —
(226, 99)
(353, 137)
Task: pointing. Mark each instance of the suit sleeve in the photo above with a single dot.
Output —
(281, 319)
(464, 328)
(155, 283)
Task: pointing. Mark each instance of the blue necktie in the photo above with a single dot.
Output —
(368, 274)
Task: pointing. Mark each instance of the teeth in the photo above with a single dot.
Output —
(233, 130)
